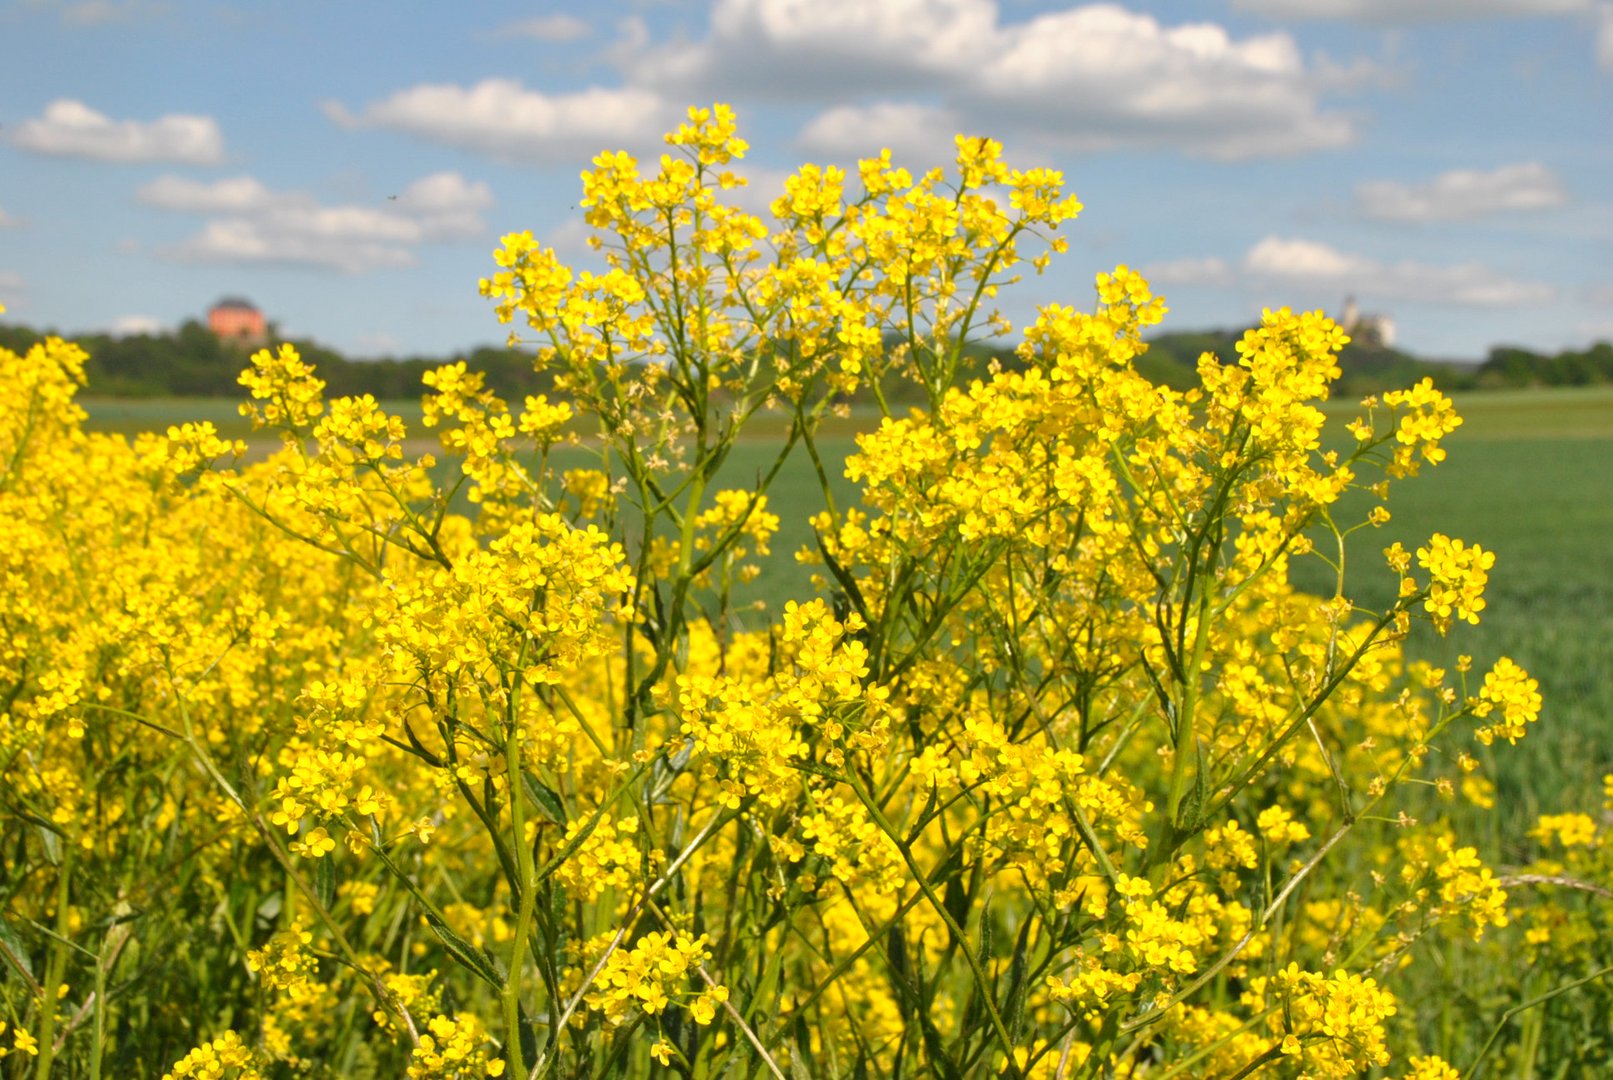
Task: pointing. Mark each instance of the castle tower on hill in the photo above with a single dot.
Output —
(1367, 328)
(239, 322)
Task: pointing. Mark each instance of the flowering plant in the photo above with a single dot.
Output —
(484, 765)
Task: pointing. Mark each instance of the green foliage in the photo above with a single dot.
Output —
(193, 362)
(1511, 365)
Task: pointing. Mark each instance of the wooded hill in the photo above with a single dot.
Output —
(194, 362)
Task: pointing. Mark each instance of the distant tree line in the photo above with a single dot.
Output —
(1365, 367)
(194, 362)
(1172, 360)
(1512, 365)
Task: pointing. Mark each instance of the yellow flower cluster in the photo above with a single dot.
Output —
(1509, 692)
(22, 1042)
(604, 855)
(1428, 417)
(224, 1058)
(453, 1048)
(1333, 1024)
(654, 974)
(286, 395)
(1050, 770)
(1457, 576)
(285, 962)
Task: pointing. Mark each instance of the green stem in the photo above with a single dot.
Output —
(511, 992)
(1517, 1010)
(982, 984)
(54, 969)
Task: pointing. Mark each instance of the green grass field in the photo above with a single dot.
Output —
(1528, 477)
(130, 416)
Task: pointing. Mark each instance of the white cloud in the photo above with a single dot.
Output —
(918, 136)
(7, 221)
(1402, 12)
(132, 325)
(377, 343)
(1301, 272)
(1321, 267)
(446, 192)
(1604, 36)
(70, 128)
(762, 186)
(1277, 256)
(11, 284)
(252, 223)
(1463, 193)
(235, 195)
(239, 240)
(817, 48)
(553, 28)
(504, 120)
(1100, 77)
(1594, 331)
(102, 12)
(1091, 77)
(1206, 271)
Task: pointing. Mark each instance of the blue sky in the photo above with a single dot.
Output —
(350, 166)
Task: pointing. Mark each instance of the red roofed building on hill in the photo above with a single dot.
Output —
(237, 320)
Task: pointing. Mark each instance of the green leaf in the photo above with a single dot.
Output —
(325, 880)
(529, 1036)
(665, 769)
(15, 955)
(50, 839)
(956, 900)
(802, 1042)
(544, 797)
(1014, 1002)
(798, 1069)
(923, 817)
(474, 960)
(1190, 816)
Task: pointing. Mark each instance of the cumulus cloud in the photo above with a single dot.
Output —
(502, 119)
(134, 325)
(1594, 331)
(918, 136)
(1089, 77)
(795, 48)
(1100, 77)
(1312, 263)
(377, 343)
(249, 222)
(1310, 271)
(1408, 11)
(1463, 193)
(238, 240)
(1277, 256)
(1604, 36)
(1190, 271)
(446, 205)
(551, 28)
(70, 128)
(236, 195)
(911, 73)
(103, 12)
